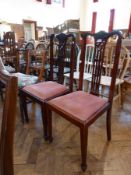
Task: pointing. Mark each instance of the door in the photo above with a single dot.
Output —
(30, 32)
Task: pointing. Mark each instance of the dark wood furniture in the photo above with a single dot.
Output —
(8, 124)
(36, 63)
(10, 53)
(81, 108)
(44, 91)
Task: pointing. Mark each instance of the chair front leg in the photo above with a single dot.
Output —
(23, 107)
(1, 94)
(108, 124)
(44, 120)
(49, 121)
(84, 138)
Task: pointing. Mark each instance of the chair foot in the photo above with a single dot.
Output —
(83, 167)
(46, 137)
(27, 120)
(50, 139)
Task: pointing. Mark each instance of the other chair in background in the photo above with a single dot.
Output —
(36, 63)
(123, 65)
(87, 67)
(10, 55)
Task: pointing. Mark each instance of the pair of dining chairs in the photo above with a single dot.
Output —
(80, 108)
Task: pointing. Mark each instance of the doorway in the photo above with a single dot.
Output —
(30, 30)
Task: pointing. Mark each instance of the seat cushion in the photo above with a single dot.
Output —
(127, 80)
(76, 75)
(79, 106)
(45, 90)
(106, 80)
(10, 68)
(25, 80)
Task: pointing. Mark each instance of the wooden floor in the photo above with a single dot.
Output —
(34, 156)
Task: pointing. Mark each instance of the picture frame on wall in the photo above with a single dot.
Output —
(57, 1)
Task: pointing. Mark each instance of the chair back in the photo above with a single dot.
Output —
(29, 45)
(10, 52)
(8, 124)
(108, 61)
(36, 62)
(9, 43)
(64, 46)
(89, 55)
(101, 39)
(125, 60)
(2, 67)
(41, 47)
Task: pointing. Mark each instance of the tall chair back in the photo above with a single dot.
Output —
(88, 59)
(9, 43)
(101, 39)
(64, 47)
(8, 124)
(10, 52)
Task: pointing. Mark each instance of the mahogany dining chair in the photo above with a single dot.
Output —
(44, 91)
(82, 108)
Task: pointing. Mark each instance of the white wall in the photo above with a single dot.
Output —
(122, 14)
(14, 11)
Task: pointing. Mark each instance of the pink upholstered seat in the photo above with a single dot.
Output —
(79, 105)
(45, 90)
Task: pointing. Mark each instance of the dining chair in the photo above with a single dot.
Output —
(36, 63)
(30, 45)
(123, 65)
(44, 91)
(66, 62)
(126, 86)
(87, 66)
(8, 124)
(127, 78)
(82, 108)
(10, 54)
(23, 79)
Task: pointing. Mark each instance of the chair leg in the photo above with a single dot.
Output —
(84, 138)
(1, 94)
(49, 121)
(44, 120)
(108, 124)
(123, 92)
(23, 107)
